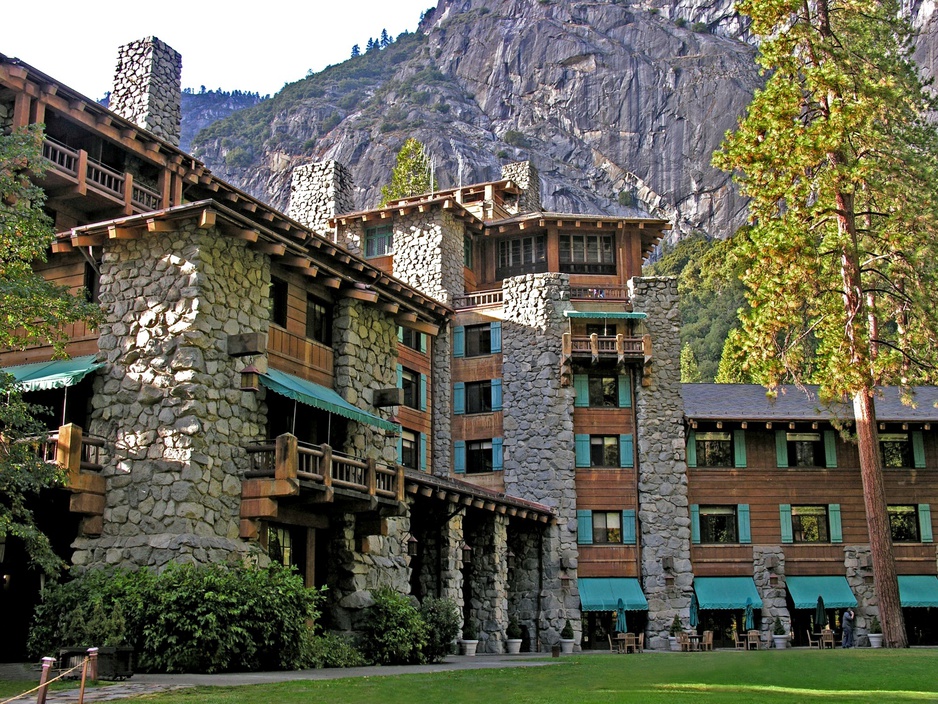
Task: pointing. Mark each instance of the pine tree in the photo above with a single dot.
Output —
(370, 45)
(841, 262)
(356, 51)
(411, 174)
(385, 39)
(690, 371)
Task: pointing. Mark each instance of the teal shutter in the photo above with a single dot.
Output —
(459, 341)
(400, 333)
(924, 523)
(695, 523)
(833, 517)
(830, 449)
(781, 448)
(628, 526)
(739, 447)
(582, 450)
(625, 391)
(691, 448)
(400, 376)
(742, 518)
(581, 384)
(495, 330)
(496, 394)
(584, 527)
(498, 461)
(423, 452)
(918, 449)
(400, 449)
(423, 342)
(459, 457)
(423, 392)
(626, 453)
(784, 517)
(459, 398)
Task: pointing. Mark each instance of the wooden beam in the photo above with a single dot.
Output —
(121, 233)
(360, 294)
(272, 248)
(87, 240)
(330, 281)
(62, 247)
(296, 261)
(389, 307)
(241, 233)
(207, 219)
(154, 225)
(407, 317)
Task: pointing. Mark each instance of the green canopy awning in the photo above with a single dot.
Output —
(320, 397)
(610, 314)
(918, 590)
(834, 589)
(42, 376)
(603, 593)
(726, 592)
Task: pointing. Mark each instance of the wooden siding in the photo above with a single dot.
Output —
(494, 481)
(607, 561)
(487, 366)
(722, 560)
(606, 489)
(477, 426)
(603, 421)
(299, 356)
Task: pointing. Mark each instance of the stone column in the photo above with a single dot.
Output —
(768, 564)
(525, 175)
(859, 563)
(664, 514)
(320, 191)
(451, 576)
(428, 254)
(442, 394)
(146, 87)
(490, 581)
(524, 579)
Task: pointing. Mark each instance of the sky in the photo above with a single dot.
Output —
(238, 44)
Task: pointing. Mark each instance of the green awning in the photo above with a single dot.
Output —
(834, 588)
(610, 314)
(603, 593)
(320, 397)
(42, 376)
(726, 592)
(918, 590)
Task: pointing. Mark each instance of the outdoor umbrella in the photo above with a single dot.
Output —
(820, 616)
(748, 623)
(694, 606)
(620, 617)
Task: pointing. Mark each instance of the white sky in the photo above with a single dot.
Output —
(238, 44)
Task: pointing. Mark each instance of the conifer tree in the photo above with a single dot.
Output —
(842, 260)
(385, 39)
(356, 51)
(370, 45)
(411, 175)
(690, 370)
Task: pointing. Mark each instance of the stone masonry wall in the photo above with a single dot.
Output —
(441, 393)
(773, 595)
(664, 514)
(320, 191)
(146, 87)
(489, 575)
(168, 401)
(858, 561)
(428, 254)
(538, 431)
(525, 175)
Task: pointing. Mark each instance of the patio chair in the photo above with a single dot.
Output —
(640, 644)
(753, 641)
(684, 641)
(706, 642)
(827, 639)
(740, 642)
(812, 643)
(613, 645)
(631, 644)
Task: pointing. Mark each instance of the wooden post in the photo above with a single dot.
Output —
(82, 173)
(68, 451)
(646, 347)
(21, 110)
(371, 478)
(567, 348)
(44, 680)
(326, 466)
(128, 194)
(286, 457)
(93, 664)
(400, 483)
(594, 346)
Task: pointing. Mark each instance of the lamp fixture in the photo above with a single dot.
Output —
(410, 545)
(250, 379)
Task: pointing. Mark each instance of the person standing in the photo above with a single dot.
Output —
(847, 623)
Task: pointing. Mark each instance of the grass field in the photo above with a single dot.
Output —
(764, 677)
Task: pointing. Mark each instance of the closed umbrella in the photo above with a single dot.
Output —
(820, 615)
(694, 606)
(748, 622)
(620, 617)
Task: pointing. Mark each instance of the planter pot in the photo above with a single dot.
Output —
(114, 663)
(513, 646)
(675, 646)
(566, 645)
(876, 640)
(469, 647)
(781, 642)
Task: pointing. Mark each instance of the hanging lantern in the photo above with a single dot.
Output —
(250, 379)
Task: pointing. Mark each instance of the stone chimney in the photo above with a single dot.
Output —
(320, 191)
(146, 87)
(525, 176)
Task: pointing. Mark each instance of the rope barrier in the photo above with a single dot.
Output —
(47, 683)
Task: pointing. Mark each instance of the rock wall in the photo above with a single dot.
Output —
(664, 514)
(488, 576)
(169, 397)
(525, 175)
(428, 254)
(773, 594)
(859, 563)
(318, 192)
(146, 87)
(441, 394)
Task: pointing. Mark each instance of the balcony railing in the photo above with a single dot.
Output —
(61, 157)
(597, 346)
(600, 293)
(479, 299)
(145, 199)
(47, 449)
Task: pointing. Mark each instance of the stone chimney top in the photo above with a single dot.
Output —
(146, 87)
(525, 176)
(320, 191)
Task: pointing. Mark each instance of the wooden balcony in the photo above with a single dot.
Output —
(600, 293)
(479, 299)
(597, 347)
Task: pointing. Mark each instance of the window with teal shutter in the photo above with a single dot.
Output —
(625, 391)
(400, 449)
(742, 518)
(924, 523)
(459, 341)
(581, 386)
(498, 463)
(833, 518)
(582, 450)
(496, 338)
(584, 527)
(496, 394)
(691, 448)
(423, 342)
(400, 376)
(423, 452)
(695, 524)
(830, 449)
(739, 447)
(784, 517)
(459, 457)
(423, 392)
(918, 449)
(781, 448)
(628, 526)
(626, 452)
(459, 398)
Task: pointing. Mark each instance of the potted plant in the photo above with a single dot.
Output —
(875, 633)
(676, 627)
(513, 637)
(779, 635)
(470, 639)
(566, 638)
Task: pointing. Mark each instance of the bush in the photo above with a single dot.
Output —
(442, 619)
(513, 632)
(515, 139)
(331, 650)
(676, 626)
(777, 628)
(394, 634)
(567, 632)
(680, 22)
(700, 27)
(238, 157)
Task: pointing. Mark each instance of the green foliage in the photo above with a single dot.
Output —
(331, 650)
(626, 198)
(516, 139)
(469, 631)
(680, 22)
(700, 27)
(238, 158)
(567, 632)
(513, 632)
(777, 628)
(875, 625)
(442, 619)
(690, 371)
(395, 634)
(411, 174)
(676, 626)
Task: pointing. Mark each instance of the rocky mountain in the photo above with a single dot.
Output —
(201, 109)
(619, 104)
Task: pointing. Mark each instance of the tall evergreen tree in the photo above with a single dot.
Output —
(841, 262)
(385, 39)
(370, 45)
(411, 175)
(356, 51)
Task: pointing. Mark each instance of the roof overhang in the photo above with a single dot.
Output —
(387, 213)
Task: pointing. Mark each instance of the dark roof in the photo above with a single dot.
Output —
(750, 402)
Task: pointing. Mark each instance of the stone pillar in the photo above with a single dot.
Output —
(489, 575)
(525, 176)
(451, 575)
(321, 191)
(859, 563)
(442, 394)
(664, 515)
(768, 564)
(538, 432)
(146, 87)
(524, 580)
(428, 254)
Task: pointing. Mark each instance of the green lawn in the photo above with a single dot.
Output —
(763, 677)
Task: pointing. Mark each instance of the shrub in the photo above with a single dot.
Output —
(331, 650)
(442, 619)
(567, 632)
(394, 632)
(513, 632)
(777, 628)
(515, 139)
(700, 27)
(676, 626)
(469, 631)
(238, 157)
(680, 22)
(875, 626)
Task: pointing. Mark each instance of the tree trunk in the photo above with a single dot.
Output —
(877, 520)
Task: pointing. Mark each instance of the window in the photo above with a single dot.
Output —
(318, 321)
(412, 339)
(806, 449)
(522, 255)
(410, 382)
(604, 451)
(587, 254)
(410, 448)
(718, 524)
(278, 302)
(286, 545)
(379, 241)
(476, 456)
(477, 396)
(896, 449)
(607, 526)
(476, 340)
(809, 524)
(92, 283)
(602, 391)
(601, 329)
(903, 522)
(467, 251)
(714, 449)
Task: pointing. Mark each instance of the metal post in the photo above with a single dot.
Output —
(44, 680)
